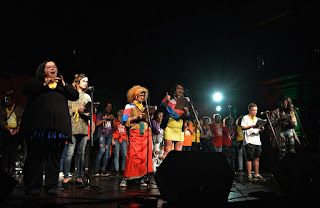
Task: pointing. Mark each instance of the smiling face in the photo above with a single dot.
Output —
(50, 70)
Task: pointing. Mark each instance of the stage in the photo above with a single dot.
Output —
(243, 194)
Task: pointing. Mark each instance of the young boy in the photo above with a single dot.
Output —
(251, 141)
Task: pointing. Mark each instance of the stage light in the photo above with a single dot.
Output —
(218, 108)
(217, 96)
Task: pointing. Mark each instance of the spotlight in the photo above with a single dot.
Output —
(217, 96)
(218, 108)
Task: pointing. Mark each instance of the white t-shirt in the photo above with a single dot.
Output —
(250, 136)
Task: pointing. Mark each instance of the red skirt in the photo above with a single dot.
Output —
(136, 163)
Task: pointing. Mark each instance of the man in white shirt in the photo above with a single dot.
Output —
(251, 141)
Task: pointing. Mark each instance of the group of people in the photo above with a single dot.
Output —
(55, 122)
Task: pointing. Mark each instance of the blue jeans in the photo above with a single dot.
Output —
(217, 149)
(104, 147)
(286, 139)
(117, 148)
(239, 149)
(81, 140)
(186, 148)
(63, 156)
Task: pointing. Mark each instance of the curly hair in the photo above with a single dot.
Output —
(134, 91)
(40, 70)
(77, 79)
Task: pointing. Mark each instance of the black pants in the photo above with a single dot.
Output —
(10, 145)
(42, 155)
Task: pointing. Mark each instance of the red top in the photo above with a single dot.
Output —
(120, 133)
(226, 140)
(94, 118)
(217, 131)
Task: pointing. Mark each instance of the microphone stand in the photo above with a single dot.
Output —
(194, 112)
(300, 124)
(274, 133)
(87, 182)
(231, 132)
(232, 138)
(148, 138)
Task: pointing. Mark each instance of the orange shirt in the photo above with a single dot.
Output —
(187, 137)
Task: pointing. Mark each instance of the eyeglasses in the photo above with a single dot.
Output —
(53, 67)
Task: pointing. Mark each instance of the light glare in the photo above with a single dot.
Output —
(217, 96)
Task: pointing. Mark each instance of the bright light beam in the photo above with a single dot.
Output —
(217, 96)
(218, 108)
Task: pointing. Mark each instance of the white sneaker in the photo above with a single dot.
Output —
(143, 183)
(258, 176)
(61, 174)
(123, 183)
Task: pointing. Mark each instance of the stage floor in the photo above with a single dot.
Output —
(243, 194)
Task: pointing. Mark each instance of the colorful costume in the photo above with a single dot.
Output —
(139, 136)
(173, 121)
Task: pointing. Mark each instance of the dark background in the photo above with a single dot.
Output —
(208, 48)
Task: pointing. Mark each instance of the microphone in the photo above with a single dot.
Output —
(91, 88)
(185, 92)
(264, 112)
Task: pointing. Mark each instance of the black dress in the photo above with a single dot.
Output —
(47, 108)
(46, 114)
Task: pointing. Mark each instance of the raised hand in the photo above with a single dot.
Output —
(168, 97)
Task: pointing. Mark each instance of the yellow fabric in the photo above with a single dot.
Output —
(139, 105)
(194, 135)
(173, 131)
(252, 118)
(12, 121)
(52, 85)
(239, 134)
(76, 114)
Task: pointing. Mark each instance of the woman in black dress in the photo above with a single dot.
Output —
(46, 125)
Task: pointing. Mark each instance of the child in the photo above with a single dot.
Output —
(251, 141)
